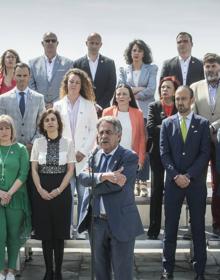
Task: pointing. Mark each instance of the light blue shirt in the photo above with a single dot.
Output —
(18, 96)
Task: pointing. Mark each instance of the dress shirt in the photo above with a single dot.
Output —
(49, 67)
(184, 64)
(93, 66)
(73, 113)
(212, 95)
(19, 96)
(102, 207)
(188, 119)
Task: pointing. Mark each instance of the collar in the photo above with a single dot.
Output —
(188, 117)
(186, 60)
(25, 91)
(111, 153)
(90, 60)
(52, 60)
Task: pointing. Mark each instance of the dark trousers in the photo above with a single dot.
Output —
(157, 187)
(173, 200)
(111, 254)
(215, 197)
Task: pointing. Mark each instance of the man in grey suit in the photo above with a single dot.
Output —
(100, 69)
(47, 71)
(24, 106)
(186, 68)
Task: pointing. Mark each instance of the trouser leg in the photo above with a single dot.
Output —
(3, 236)
(14, 219)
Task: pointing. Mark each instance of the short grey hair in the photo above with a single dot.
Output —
(112, 120)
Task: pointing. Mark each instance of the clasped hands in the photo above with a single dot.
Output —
(5, 197)
(48, 195)
(115, 177)
(182, 181)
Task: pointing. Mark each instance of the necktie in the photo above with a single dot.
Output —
(183, 128)
(102, 169)
(22, 103)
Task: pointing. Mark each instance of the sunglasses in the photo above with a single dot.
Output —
(50, 40)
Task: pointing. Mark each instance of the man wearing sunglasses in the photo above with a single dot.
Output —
(47, 71)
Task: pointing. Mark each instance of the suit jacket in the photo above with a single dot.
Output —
(172, 67)
(138, 130)
(105, 78)
(190, 157)
(123, 217)
(156, 115)
(26, 127)
(147, 80)
(201, 105)
(85, 131)
(39, 81)
(218, 161)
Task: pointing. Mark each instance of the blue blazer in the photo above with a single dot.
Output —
(148, 80)
(190, 157)
(123, 216)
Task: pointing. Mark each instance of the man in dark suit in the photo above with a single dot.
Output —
(186, 68)
(100, 69)
(117, 221)
(185, 152)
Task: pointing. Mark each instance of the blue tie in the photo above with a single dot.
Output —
(102, 169)
(22, 103)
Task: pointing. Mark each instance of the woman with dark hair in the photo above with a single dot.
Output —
(77, 109)
(7, 64)
(158, 111)
(140, 75)
(15, 216)
(126, 110)
(52, 158)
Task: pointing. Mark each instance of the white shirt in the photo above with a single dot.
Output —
(73, 110)
(93, 66)
(126, 137)
(136, 76)
(184, 64)
(49, 67)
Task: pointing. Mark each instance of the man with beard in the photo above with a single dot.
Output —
(184, 149)
(207, 104)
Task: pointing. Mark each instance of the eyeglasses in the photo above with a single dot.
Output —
(50, 40)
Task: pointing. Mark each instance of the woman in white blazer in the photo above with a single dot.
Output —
(77, 109)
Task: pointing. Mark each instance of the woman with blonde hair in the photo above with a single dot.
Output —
(14, 205)
(77, 109)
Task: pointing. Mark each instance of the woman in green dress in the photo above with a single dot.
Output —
(14, 205)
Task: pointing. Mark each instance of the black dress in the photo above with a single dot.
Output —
(51, 218)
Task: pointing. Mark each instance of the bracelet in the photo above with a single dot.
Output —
(58, 190)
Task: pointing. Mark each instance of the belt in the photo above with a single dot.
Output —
(101, 216)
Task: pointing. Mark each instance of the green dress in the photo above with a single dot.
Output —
(15, 160)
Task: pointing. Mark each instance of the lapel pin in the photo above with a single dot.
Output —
(102, 61)
(192, 126)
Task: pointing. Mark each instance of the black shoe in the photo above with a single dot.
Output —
(216, 232)
(166, 275)
(48, 275)
(199, 277)
(152, 237)
(58, 276)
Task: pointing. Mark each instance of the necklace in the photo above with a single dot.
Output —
(2, 175)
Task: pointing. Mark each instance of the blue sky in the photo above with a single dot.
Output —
(157, 22)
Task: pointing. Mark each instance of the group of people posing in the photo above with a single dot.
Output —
(54, 112)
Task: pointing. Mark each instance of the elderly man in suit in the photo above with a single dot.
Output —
(185, 151)
(24, 106)
(116, 218)
(100, 69)
(186, 68)
(207, 104)
(47, 71)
